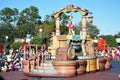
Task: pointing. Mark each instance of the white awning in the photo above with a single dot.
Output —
(118, 40)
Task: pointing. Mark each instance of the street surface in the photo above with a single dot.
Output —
(112, 74)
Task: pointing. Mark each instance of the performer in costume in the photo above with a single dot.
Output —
(100, 45)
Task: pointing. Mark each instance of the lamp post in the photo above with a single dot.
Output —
(31, 37)
(40, 36)
(6, 45)
(90, 19)
(6, 37)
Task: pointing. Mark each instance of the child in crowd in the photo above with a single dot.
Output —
(118, 54)
(17, 66)
(4, 68)
(114, 53)
(0, 65)
(10, 66)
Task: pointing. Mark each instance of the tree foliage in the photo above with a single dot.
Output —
(111, 41)
(16, 45)
(36, 40)
(28, 19)
(29, 15)
(7, 15)
(15, 24)
(8, 18)
(117, 35)
(64, 21)
(48, 28)
(92, 30)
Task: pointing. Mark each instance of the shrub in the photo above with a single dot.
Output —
(16, 45)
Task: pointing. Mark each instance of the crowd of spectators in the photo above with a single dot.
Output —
(12, 61)
(115, 53)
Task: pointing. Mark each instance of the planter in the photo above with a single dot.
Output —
(26, 66)
(32, 64)
(65, 67)
(81, 66)
(25, 62)
(101, 63)
(107, 64)
(37, 62)
(91, 63)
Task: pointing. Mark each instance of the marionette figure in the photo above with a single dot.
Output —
(70, 25)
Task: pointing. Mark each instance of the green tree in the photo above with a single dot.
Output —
(77, 29)
(6, 30)
(16, 45)
(29, 15)
(117, 35)
(111, 41)
(28, 20)
(48, 28)
(64, 18)
(64, 21)
(8, 19)
(92, 30)
(48, 25)
(6, 15)
(15, 16)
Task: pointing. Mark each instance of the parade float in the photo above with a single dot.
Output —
(69, 55)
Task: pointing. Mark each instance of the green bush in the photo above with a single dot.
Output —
(16, 45)
(36, 40)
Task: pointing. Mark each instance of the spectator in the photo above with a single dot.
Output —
(0, 65)
(27, 54)
(4, 68)
(114, 53)
(1, 50)
(118, 54)
(4, 56)
(10, 66)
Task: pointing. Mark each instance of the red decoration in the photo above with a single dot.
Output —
(101, 44)
(1, 50)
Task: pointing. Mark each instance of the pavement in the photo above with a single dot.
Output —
(112, 74)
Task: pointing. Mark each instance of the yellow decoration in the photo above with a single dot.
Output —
(58, 23)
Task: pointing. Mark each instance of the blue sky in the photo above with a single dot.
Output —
(106, 12)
